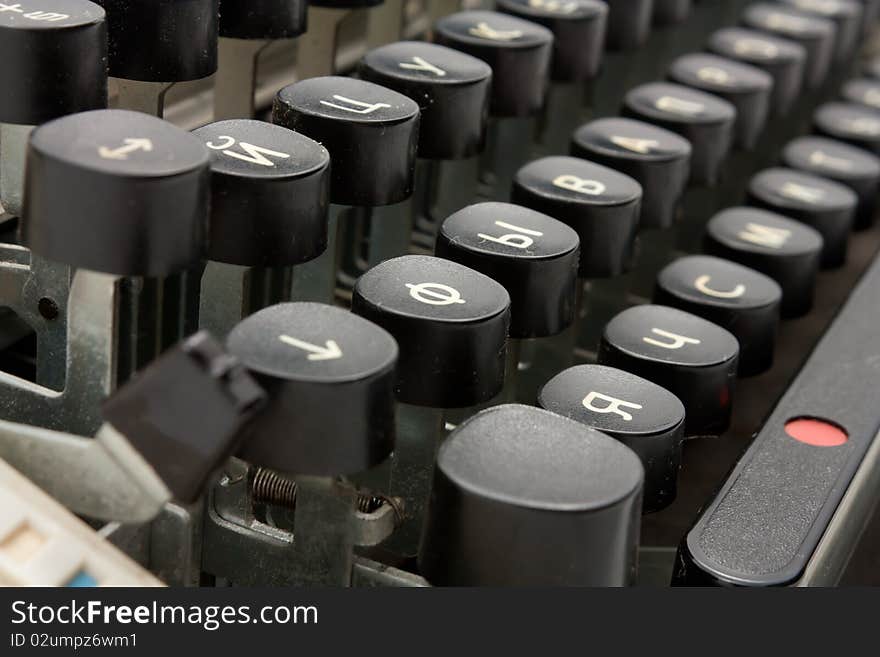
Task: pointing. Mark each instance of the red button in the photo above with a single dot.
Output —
(813, 431)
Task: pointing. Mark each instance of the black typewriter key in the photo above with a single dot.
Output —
(705, 120)
(855, 124)
(659, 160)
(602, 206)
(816, 35)
(535, 257)
(247, 29)
(746, 87)
(452, 91)
(643, 416)
(156, 43)
(313, 360)
(827, 206)
(862, 91)
(117, 192)
(671, 12)
(371, 133)
(784, 60)
(519, 53)
(451, 325)
(525, 497)
(787, 251)
(739, 299)
(578, 28)
(629, 23)
(269, 200)
(54, 63)
(847, 16)
(690, 357)
(211, 397)
(848, 165)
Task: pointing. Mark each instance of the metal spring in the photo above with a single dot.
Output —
(270, 487)
(368, 502)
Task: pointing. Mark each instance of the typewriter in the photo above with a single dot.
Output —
(439, 293)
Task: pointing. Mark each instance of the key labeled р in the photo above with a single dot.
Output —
(313, 360)
(643, 416)
(525, 497)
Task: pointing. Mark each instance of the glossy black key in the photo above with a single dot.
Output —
(629, 23)
(863, 91)
(659, 160)
(784, 60)
(269, 194)
(578, 28)
(643, 416)
(787, 251)
(209, 398)
(450, 322)
(263, 19)
(694, 359)
(162, 40)
(827, 206)
(848, 165)
(739, 299)
(518, 51)
(117, 192)
(525, 497)
(816, 35)
(312, 361)
(600, 204)
(847, 16)
(746, 87)
(535, 257)
(705, 120)
(450, 87)
(54, 62)
(855, 124)
(371, 133)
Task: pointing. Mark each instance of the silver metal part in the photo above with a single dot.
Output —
(101, 478)
(139, 96)
(236, 85)
(13, 149)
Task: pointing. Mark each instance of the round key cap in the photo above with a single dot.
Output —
(643, 416)
(706, 121)
(816, 35)
(690, 357)
(525, 497)
(746, 87)
(370, 131)
(782, 59)
(269, 194)
(578, 28)
(600, 204)
(162, 40)
(535, 257)
(117, 192)
(518, 51)
(450, 87)
(827, 206)
(629, 23)
(848, 165)
(739, 299)
(785, 250)
(54, 62)
(671, 12)
(314, 361)
(659, 160)
(450, 322)
(847, 16)
(862, 91)
(855, 124)
(263, 19)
